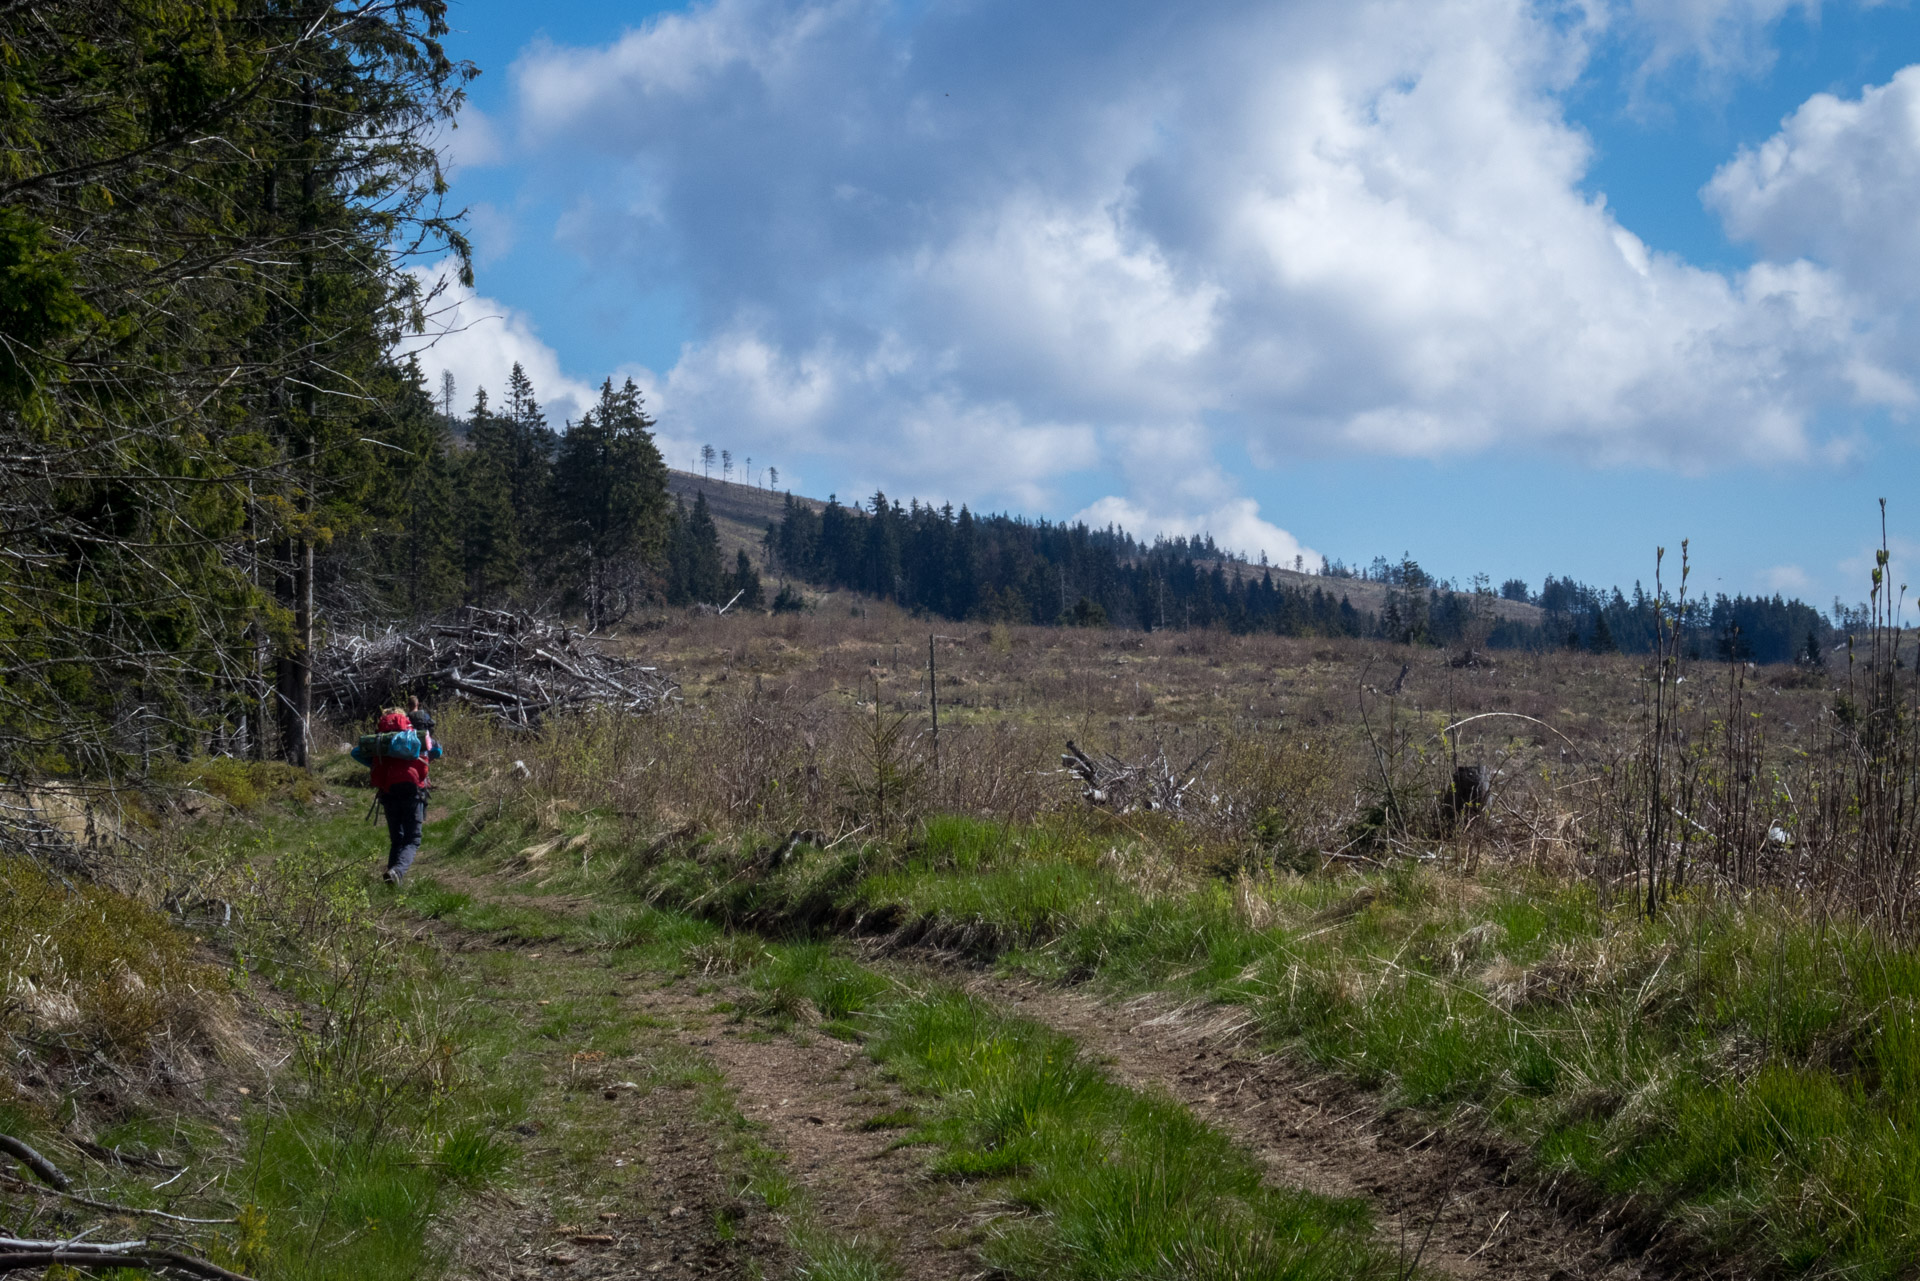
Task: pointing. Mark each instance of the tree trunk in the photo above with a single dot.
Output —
(295, 668)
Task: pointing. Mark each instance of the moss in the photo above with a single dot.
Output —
(83, 960)
(245, 785)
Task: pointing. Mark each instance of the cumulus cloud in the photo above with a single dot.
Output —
(1836, 185)
(1723, 37)
(478, 340)
(1235, 526)
(987, 246)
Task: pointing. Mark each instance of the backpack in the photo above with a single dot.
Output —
(400, 744)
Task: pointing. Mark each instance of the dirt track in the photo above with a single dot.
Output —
(1458, 1205)
(1454, 1205)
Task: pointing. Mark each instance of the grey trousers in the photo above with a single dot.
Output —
(406, 806)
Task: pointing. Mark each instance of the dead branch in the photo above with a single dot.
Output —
(516, 667)
(21, 1252)
(43, 1169)
(1150, 783)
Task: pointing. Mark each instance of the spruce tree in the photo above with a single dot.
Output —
(610, 515)
(695, 574)
(492, 554)
(745, 581)
(1602, 640)
(414, 536)
(529, 446)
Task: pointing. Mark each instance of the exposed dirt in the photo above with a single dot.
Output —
(656, 1192)
(1457, 1204)
(817, 1097)
(618, 1182)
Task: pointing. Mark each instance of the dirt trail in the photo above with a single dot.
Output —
(814, 1097)
(1477, 1218)
(1453, 1203)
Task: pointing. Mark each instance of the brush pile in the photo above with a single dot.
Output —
(517, 667)
(1150, 783)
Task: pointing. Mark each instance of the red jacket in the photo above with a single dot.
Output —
(388, 770)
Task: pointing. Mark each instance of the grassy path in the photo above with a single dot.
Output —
(785, 1044)
(1463, 1204)
(695, 1137)
(872, 1122)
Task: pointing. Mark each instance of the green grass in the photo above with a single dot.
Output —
(1120, 1183)
(825, 1258)
(1752, 1070)
(1734, 1061)
(1113, 1183)
(1758, 1073)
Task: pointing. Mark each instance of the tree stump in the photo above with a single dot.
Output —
(1470, 791)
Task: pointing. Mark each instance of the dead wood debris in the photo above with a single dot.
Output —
(517, 667)
(21, 1252)
(1150, 783)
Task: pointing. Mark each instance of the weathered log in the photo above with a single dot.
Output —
(44, 1170)
(18, 1252)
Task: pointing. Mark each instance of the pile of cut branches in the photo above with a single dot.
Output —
(517, 667)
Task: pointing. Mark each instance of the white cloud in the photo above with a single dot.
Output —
(472, 141)
(1789, 579)
(980, 250)
(1236, 526)
(1838, 185)
(777, 404)
(478, 340)
(1722, 36)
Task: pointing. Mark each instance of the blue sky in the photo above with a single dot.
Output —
(1519, 288)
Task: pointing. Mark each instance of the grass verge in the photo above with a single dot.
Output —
(1741, 1064)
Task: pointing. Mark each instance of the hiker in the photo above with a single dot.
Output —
(418, 715)
(402, 784)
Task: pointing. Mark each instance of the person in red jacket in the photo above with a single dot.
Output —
(402, 785)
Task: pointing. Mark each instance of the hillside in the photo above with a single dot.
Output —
(1371, 597)
(740, 512)
(743, 512)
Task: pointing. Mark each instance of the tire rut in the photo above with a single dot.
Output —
(813, 1098)
(1461, 1207)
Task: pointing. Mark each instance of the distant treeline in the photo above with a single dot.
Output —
(957, 565)
(499, 507)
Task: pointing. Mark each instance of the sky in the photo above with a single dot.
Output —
(1516, 288)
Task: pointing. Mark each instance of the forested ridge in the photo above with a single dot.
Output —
(1006, 568)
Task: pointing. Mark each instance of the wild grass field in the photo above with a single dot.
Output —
(777, 982)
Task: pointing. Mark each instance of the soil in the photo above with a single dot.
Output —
(671, 1204)
(1459, 1204)
(619, 1183)
(816, 1096)
(1453, 1204)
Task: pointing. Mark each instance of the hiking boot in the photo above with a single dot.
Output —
(390, 876)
